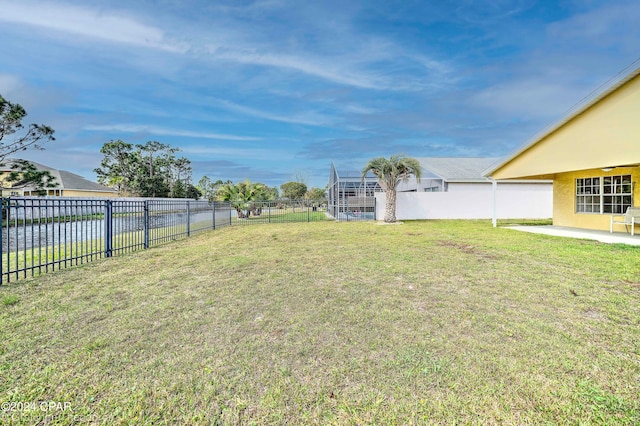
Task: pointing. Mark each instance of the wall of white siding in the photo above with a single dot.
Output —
(474, 201)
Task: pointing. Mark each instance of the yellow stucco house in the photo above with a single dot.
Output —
(68, 184)
(592, 155)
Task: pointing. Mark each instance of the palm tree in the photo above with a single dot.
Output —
(243, 196)
(389, 173)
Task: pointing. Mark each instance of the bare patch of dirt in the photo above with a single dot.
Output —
(467, 249)
(594, 314)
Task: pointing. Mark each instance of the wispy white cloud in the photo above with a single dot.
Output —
(309, 118)
(238, 152)
(338, 53)
(600, 25)
(259, 6)
(155, 130)
(324, 68)
(357, 68)
(358, 109)
(8, 84)
(85, 22)
(529, 98)
(237, 171)
(338, 100)
(488, 12)
(352, 65)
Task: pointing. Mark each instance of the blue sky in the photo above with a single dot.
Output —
(272, 90)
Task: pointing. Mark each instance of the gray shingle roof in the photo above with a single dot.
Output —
(451, 169)
(457, 168)
(73, 181)
(64, 179)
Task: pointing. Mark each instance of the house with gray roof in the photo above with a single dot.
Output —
(450, 188)
(67, 184)
(442, 174)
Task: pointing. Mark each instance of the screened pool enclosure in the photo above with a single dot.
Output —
(350, 196)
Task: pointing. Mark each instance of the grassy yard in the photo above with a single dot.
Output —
(438, 322)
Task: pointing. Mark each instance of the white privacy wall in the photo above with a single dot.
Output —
(474, 201)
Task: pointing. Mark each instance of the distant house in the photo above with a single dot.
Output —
(68, 184)
(450, 188)
(592, 155)
(446, 174)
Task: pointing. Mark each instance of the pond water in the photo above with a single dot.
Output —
(34, 235)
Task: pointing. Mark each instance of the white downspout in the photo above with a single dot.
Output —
(494, 188)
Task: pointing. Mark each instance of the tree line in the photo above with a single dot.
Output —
(245, 195)
(153, 169)
(149, 170)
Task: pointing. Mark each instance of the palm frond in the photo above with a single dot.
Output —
(390, 171)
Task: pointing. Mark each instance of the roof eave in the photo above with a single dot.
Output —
(590, 100)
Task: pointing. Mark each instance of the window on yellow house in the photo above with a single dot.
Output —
(604, 194)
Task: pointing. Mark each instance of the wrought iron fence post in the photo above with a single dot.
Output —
(108, 229)
(346, 207)
(146, 224)
(213, 205)
(2, 241)
(269, 211)
(188, 219)
(229, 214)
(308, 213)
(374, 207)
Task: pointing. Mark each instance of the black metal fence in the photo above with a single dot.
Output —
(38, 235)
(281, 212)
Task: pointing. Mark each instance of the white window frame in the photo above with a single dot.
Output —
(603, 194)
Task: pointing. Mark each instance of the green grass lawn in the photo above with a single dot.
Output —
(437, 322)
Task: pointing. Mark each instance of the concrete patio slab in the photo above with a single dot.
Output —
(602, 236)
